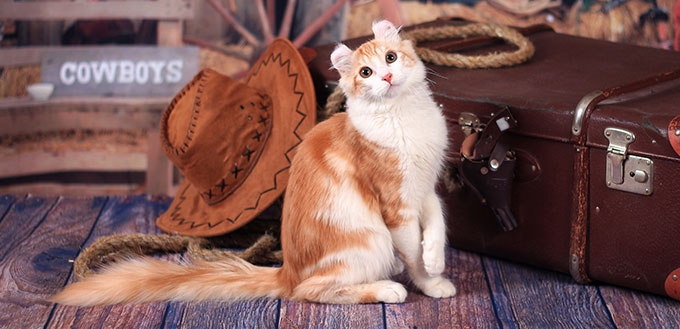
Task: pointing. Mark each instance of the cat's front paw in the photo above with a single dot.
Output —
(391, 292)
(438, 287)
(433, 258)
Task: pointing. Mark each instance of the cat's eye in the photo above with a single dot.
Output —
(365, 72)
(391, 57)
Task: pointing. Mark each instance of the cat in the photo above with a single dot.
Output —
(360, 205)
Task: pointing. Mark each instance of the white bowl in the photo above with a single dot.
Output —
(40, 91)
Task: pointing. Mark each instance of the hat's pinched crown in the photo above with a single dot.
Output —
(214, 131)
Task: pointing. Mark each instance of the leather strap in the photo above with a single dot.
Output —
(499, 123)
(487, 167)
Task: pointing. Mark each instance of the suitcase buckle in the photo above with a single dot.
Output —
(469, 123)
(626, 172)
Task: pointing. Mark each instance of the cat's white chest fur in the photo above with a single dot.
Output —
(414, 127)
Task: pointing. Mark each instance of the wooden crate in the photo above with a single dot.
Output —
(23, 115)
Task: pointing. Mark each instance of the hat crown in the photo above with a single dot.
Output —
(214, 131)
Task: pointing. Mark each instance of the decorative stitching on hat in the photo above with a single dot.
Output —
(248, 152)
(236, 170)
(199, 79)
(258, 135)
(272, 58)
(222, 185)
(246, 159)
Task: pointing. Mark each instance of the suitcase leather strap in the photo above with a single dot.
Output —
(487, 167)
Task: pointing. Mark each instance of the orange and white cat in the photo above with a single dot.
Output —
(359, 207)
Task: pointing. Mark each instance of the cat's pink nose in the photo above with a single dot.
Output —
(387, 77)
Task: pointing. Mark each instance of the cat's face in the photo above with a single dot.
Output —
(381, 68)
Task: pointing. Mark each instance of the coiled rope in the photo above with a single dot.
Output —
(115, 247)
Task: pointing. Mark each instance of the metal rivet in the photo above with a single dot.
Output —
(578, 150)
(653, 141)
(494, 164)
(441, 105)
(647, 190)
(484, 170)
(574, 258)
(492, 114)
(606, 133)
(597, 210)
(677, 132)
(648, 162)
(628, 137)
(533, 168)
(609, 183)
(675, 277)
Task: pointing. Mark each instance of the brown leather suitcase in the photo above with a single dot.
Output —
(584, 151)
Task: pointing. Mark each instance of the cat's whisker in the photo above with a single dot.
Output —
(433, 72)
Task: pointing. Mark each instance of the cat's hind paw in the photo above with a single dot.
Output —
(391, 292)
(439, 287)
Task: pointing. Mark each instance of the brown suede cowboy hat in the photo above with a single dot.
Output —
(234, 141)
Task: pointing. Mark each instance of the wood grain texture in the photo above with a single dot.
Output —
(72, 189)
(260, 313)
(472, 307)
(169, 33)
(633, 309)
(21, 219)
(23, 116)
(6, 201)
(38, 162)
(311, 315)
(38, 265)
(130, 214)
(531, 298)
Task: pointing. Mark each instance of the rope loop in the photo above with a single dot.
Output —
(525, 50)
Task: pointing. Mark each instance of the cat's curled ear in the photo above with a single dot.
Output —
(341, 58)
(386, 31)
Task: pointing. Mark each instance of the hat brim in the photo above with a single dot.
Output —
(281, 73)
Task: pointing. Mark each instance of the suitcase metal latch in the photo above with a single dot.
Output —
(626, 172)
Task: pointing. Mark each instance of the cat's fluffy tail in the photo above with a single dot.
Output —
(150, 280)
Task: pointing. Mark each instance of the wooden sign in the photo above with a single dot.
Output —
(141, 71)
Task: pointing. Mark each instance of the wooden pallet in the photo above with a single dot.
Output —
(40, 235)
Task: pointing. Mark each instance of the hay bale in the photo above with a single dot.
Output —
(619, 25)
(14, 80)
(112, 140)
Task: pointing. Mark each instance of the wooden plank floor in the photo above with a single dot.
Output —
(39, 235)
